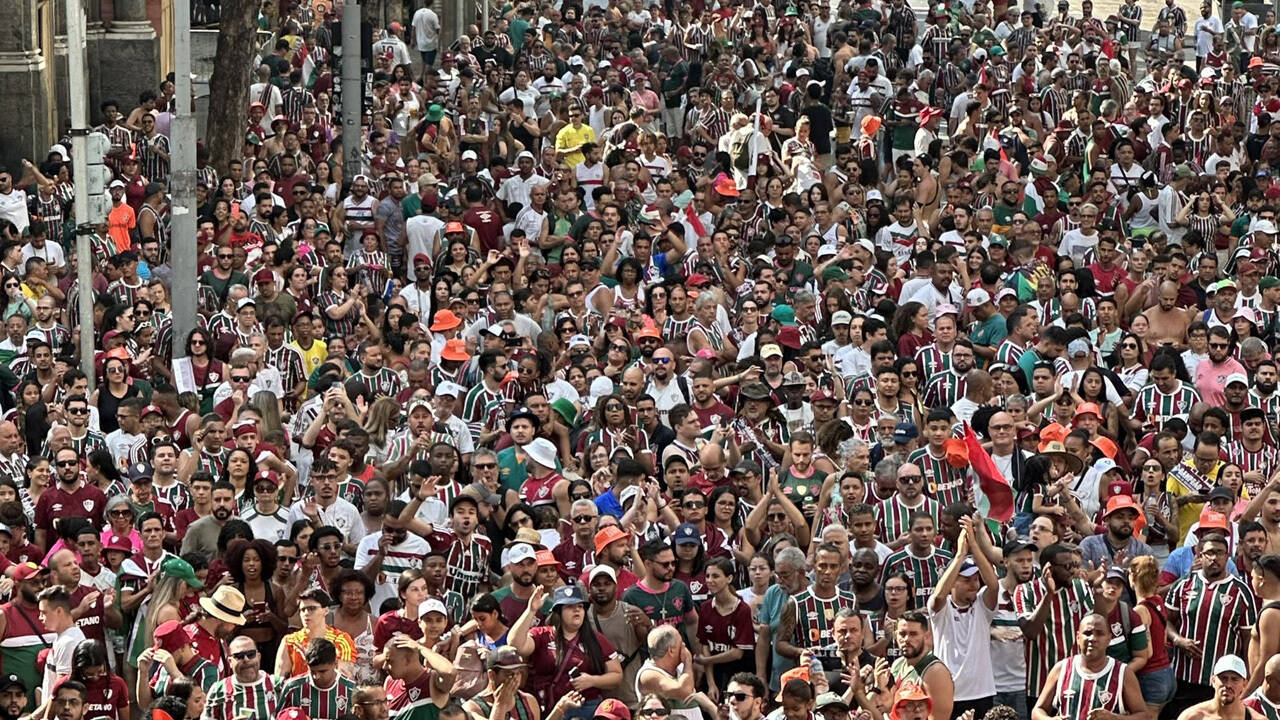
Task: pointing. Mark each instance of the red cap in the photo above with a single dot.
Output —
(1119, 487)
(421, 258)
(613, 710)
(264, 275)
(171, 636)
(454, 227)
(119, 544)
(821, 396)
(151, 410)
(789, 336)
(697, 280)
(28, 570)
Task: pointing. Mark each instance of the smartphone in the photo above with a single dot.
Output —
(260, 607)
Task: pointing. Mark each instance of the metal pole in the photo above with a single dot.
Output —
(182, 178)
(77, 78)
(352, 89)
(484, 18)
(459, 20)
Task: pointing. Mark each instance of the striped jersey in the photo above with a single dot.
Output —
(1069, 605)
(944, 389)
(1259, 703)
(384, 381)
(467, 561)
(319, 703)
(229, 698)
(1263, 460)
(816, 619)
(932, 360)
(1079, 691)
(924, 572)
(1158, 407)
(411, 700)
(893, 517)
(482, 408)
(1213, 615)
(1008, 352)
(942, 481)
(340, 326)
(201, 672)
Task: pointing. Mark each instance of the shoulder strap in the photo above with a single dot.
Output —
(1125, 621)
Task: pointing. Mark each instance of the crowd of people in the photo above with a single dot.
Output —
(709, 361)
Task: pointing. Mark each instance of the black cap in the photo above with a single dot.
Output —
(11, 680)
(422, 468)
(1221, 493)
(1017, 545)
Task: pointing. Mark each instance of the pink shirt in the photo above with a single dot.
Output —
(1211, 379)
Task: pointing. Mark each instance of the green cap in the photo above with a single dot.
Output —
(1268, 282)
(998, 239)
(834, 272)
(784, 314)
(434, 113)
(567, 411)
(176, 567)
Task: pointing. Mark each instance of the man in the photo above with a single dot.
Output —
(325, 693)
(664, 600)
(68, 700)
(944, 482)
(172, 657)
(92, 610)
(918, 666)
(521, 565)
(13, 696)
(921, 559)
(1120, 516)
(20, 623)
(415, 697)
(247, 691)
(325, 507)
(1008, 659)
(1190, 481)
(426, 29)
(1264, 700)
(1228, 699)
(1210, 614)
(1220, 368)
(961, 610)
(807, 621)
(1049, 612)
(70, 496)
(383, 555)
(894, 515)
(202, 535)
(1089, 684)
(659, 674)
(578, 551)
(1165, 397)
(613, 550)
(625, 625)
(55, 616)
(746, 696)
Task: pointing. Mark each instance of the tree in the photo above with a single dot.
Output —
(229, 86)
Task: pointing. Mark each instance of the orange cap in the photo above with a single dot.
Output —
(795, 673)
(1121, 502)
(1088, 408)
(545, 558)
(910, 692)
(1212, 519)
(649, 331)
(454, 227)
(445, 320)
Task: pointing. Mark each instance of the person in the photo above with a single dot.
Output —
(172, 659)
(55, 615)
(423, 690)
(313, 603)
(1089, 681)
(1229, 678)
(807, 621)
(567, 653)
(21, 625)
(1050, 610)
(324, 691)
(961, 609)
(247, 690)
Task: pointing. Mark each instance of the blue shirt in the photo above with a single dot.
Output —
(1179, 562)
(771, 612)
(607, 504)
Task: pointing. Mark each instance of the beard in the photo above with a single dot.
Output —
(221, 514)
(1265, 388)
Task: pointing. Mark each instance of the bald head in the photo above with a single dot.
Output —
(711, 454)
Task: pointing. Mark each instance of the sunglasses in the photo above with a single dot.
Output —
(78, 411)
(777, 516)
(910, 478)
(485, 466)
(694, 505)
(245, 655)
(68, 463)
(666, 360)
(583, 519)
(740, 696)
(225, 256)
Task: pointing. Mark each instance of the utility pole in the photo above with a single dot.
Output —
(182, 191)
(77, 77)
(352, 89)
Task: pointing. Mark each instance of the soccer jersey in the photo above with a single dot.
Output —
(411, 700)
(932, 360)
(942, 481)
(893, 517)
(297, 642)
(1213, 614)
(200, 671)
(319, 703)
(1008, 353)
(663, 608)
(1067, 607)
(231, 700)
(816, 619)
(1079, 691)
(1259, 703)
(944, 389)
(923, 571)
(1157, 407)
(467, 562)
(1263, 460)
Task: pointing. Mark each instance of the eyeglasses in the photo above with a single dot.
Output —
(310, 608)
(247, 654)
(655, 712)
(78, 411)
(115, 369)
(620, 348)
(68, 463)
(240, 379)
(330, 546)
(910, 478)
(777, 516)
(1220, 346)
(197, 343)
(583, 519)
(664, 563)
(893, 589)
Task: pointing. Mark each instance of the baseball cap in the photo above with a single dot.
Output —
(977, 297)
(521, 552)
(1230, 663)
(841, 317)
(1212, 519)
(504, 657)
(1221, 493)
(905, 433)
(968, 569)
(1078, 348)
(434, 605)
(1236, 378)
(599, 570)
(11, 680)
(612, 709)
(770, 350)
(687, 533)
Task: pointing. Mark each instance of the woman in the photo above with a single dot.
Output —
(240, 470)
(298, 287)
(899, 597)
(863, 412)
(628, 294)
(343, 309)
(117, 388)
(1204, 213)
(39, 472)
(383, 418)
(251, 565)
(106, 693)
(119, 515)
(656, 305)
(725, 515)
(351, 615)
(312, 607)
(567, 653)
(760, 577)
(748, 322)
(725, 631)
(172, 598)
(1129, 361)
(911, 327)
(207, 373)
(1092, 387)
(1156, 677)
(615, 427)
(412, 589)
(190, 693)
(691, 559)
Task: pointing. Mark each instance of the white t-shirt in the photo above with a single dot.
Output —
(59, 661)
(341, 514)
(403, 554)
(13, 207)
(962, 641)
(426, 29)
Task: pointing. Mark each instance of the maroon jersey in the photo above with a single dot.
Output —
(573, 559)
(87, 502)
(488, 227)
(551, 668)
(722, 633)
(107, 698)
(391, 623)
(93, 622)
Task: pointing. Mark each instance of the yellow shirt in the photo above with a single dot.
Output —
(569, 137)
(312, 358)
(1188, 514)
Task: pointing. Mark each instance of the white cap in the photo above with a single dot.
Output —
(526, 154)
(874, 195)
(433, 605)
(494, 329)
(867, 245)
(1006, 292)
(470, 155)
(1236, 378)
(827, 250)
(1230, 663)
(61, 151)
(245, 301)
(1265, 226)
(977, 297)
(627, 494)
(521, 552)
(449, 388)
(841, 317)
(116, 184)
(579, 340)
(599, 570)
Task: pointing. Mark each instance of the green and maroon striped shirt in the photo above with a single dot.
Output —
(1213, 615)
(942, 481)
(893, 517)
(1079, 691)
(319, 703)
(229, 698)
(1069, 605)
(816, 619)
(923, 571)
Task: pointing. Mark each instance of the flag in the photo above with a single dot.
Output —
(992, 494)
(308, 64)
(695, 223)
